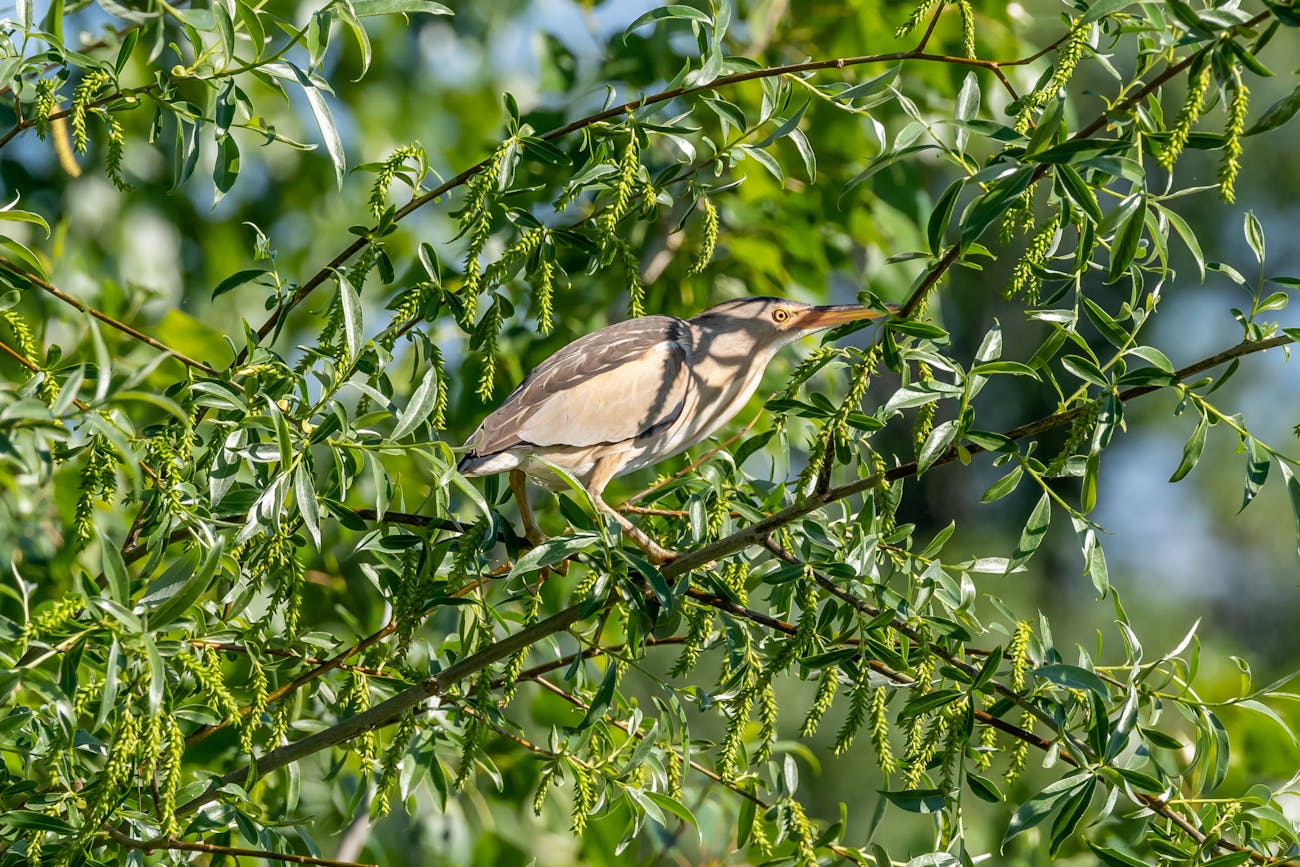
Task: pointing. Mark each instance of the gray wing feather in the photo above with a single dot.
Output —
(623, 381)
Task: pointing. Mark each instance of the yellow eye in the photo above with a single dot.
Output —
(780, 314)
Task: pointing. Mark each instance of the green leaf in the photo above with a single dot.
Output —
(1232, 859)
(985, 789)
(688, 13)
(1015, 368)
(1123, 251)
(936, 444)
(1188, 237)
(1109, 328)
(304, 491)
(917, 328)
(180, 587)
(419, 406)
(1032, 535)
(226, 168)
(1278, 113)
(368, 8)
(1257, 464)
(1254, 235)
(1041, 805)
(1293, 491)
(1114, 857)
(119, 580)
(353, 324)
(927, 702)
(917, 800)
(1085, 369)
(1073, 677)
(325, 120)
(237, 279)
(1192, 449)
(1078, 191)
(1004, 485)
(601, 701)
(35, 822)
(942, 214)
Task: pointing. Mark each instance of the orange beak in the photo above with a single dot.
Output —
(830, 315)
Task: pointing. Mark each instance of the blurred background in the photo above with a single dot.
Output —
(1178, 554)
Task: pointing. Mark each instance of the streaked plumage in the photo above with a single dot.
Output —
(636, 392)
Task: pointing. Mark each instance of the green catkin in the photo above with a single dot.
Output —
(673, 773)
(952, 747)
(708, 240)
(27, 347)
(406, 307)
(860, 695)
(632, 276)
(800, 830)
(925, 412)
(54, 618)
(476, 222)
(1080, 432)
(515, 664)
(98, 485)
(584, 796)
(914, 728)
(358, 700)
(112, 781)
(729, 749)
(836, 425)
(936, 733)
(1018, 654)
(883, 507)
(487, 375)
(1230, 164)
(1067, 61)
(918, 14)
(392, 763)
(735, 575)
(879, 719)
(545, 295)
(543, 789)
(699, 626)
(988, 740)
(45, 105)
(260, 698)
(84, 93)
(767, 719)
(967, 12)
(1019, 751)
(827, 687)
(388, 172)
(1026, 277)
(205, 668)
(169, 776)
(114, 151)
(758, 834)
(1187, 115)
(34, 843)
(629, 167)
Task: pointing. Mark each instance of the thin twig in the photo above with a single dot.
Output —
(175, 845)
(17, 270)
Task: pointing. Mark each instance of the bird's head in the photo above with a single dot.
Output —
(766, 322)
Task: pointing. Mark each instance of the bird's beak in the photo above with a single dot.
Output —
(830, 315)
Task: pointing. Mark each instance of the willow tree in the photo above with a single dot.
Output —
(251, 609)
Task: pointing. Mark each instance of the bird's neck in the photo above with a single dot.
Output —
(725, 381)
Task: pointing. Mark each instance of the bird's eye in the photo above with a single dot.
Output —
(780, 314)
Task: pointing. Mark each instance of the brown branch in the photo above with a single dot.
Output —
(17, 270)
(175, 845)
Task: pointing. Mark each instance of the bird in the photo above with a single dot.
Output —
(636, 392)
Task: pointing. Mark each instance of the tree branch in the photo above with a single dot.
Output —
(18, 271)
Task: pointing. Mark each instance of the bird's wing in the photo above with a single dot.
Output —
(620, 382)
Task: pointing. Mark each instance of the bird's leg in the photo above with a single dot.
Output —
(603, 472)
(519, 485)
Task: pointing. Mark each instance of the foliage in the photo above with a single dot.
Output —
(187, 508)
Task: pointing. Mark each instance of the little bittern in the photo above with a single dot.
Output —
(634, 393)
